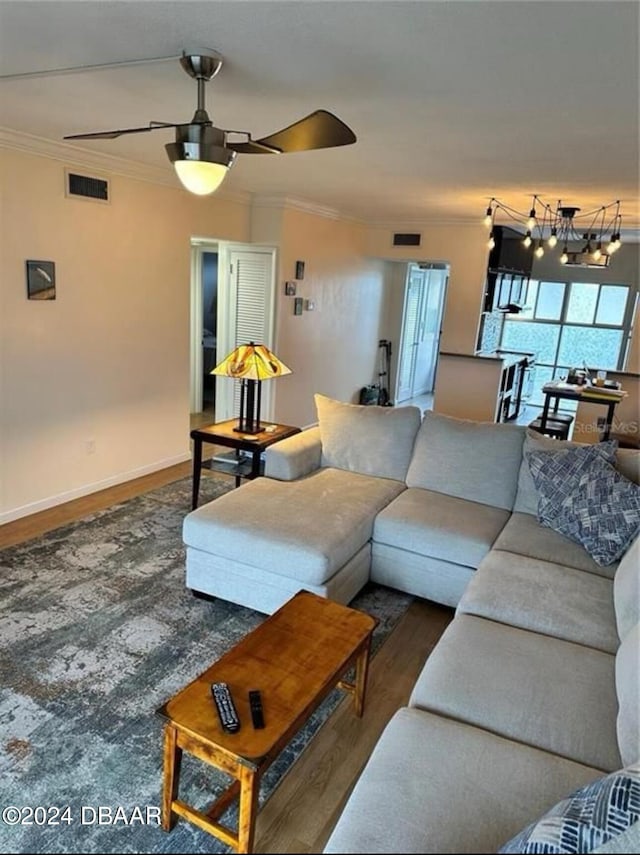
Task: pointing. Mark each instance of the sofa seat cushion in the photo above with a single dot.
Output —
(628, 690)
(626, 590)
(552, 694)
(440, 526)
(307, 529)
(543, 597)
(435, 785)
(524, 534)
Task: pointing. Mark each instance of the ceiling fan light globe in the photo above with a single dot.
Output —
(201, 166)
(199, 176)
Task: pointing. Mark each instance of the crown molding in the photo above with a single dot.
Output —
(292, 203)
(102, 163)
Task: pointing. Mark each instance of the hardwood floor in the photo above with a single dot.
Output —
(301, 813)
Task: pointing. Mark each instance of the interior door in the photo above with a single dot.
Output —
(410, 327)
(247, 293)
(424, 304)
(429, 337)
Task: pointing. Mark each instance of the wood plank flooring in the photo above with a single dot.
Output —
(301, 813)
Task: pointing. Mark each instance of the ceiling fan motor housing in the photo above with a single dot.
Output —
(200, 142)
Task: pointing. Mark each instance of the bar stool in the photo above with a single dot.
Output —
(557, 426)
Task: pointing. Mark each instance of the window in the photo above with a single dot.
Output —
(571, 324)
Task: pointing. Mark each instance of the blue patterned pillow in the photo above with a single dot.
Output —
(582, 496)
(556, 474)
(587, 819)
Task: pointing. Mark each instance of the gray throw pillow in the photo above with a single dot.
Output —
(369, 440)
(588, 818)
(582, 496)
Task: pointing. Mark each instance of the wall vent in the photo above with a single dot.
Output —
(405, 239)
(86, 186)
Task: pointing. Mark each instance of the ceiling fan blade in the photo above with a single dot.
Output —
(112, 135)
(317, 130)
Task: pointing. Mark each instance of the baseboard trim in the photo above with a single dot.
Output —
(87, 489)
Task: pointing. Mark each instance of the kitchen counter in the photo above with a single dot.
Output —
(485, 386)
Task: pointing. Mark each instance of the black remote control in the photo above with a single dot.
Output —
(225, 707)
(257, 715)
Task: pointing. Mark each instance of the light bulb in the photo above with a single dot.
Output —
(527, 239)
(488, 217)
(553, 240)
(597, 253)
(564, 257)
(491, 242)
(539, 250)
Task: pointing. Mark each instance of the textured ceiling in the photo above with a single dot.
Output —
(452, 102)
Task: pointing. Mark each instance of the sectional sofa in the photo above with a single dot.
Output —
(532, 690)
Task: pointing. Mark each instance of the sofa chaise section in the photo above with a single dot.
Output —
(260, 544)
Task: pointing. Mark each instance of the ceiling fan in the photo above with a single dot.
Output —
(202, 154)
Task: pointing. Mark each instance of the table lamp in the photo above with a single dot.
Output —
(251, 364)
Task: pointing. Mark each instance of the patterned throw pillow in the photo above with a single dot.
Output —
(581, 495)
(556, 474)
(587, 819)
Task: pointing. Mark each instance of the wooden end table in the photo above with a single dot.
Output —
(223, 433)
(295, 658)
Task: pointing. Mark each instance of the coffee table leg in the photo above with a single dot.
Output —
(249, 787)
(362, 669)
(172, 762)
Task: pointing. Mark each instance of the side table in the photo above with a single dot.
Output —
(223, 433)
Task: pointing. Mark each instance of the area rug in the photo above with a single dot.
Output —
(97, 630)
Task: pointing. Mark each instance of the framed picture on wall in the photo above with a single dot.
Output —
(41, 280)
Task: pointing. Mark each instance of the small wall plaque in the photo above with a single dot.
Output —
(297, 306)
(299, 269)
(41, 280)
(290, 288)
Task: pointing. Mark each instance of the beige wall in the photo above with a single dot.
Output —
(107, 362)
(332, 350)
(464, 248)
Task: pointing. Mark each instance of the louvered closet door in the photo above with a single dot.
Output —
(251, 301)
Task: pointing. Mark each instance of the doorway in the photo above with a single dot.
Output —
(424, 299)
(232, 302)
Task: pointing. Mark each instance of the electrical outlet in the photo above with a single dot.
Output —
(310, 305)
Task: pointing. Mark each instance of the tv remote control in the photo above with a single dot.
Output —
(225, 707)
(257, 715)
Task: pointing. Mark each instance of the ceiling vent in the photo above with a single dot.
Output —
(86, 186)
(406, 239)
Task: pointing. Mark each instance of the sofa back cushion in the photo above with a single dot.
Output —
(627, 462)
(369, 440)
(478, 461)
(628, 692)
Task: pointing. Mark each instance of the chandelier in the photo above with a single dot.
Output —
(599, 230)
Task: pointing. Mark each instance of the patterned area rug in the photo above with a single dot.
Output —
(97, 630)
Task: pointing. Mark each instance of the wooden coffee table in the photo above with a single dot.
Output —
(295, 657)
